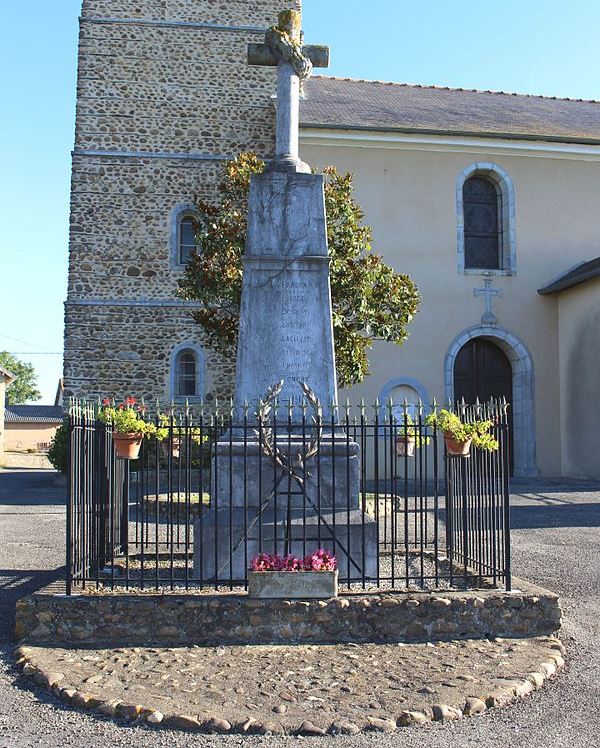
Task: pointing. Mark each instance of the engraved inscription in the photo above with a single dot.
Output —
(291, 333)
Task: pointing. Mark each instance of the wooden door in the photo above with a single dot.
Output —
(482, 370)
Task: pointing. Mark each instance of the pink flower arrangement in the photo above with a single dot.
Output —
(319, 560)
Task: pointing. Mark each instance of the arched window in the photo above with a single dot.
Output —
(486, 220)
(187, 244)
(482, 205)
(398, 391)
(183, 232)
(187, 372)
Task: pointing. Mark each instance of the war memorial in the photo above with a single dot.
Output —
(174, 555)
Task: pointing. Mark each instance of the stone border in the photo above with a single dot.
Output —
(137, 713)
(149, 618)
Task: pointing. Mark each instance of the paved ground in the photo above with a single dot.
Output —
(556, 544)
(286, 685)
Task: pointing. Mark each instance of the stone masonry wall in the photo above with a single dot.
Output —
(127, 350)
(164, 96)
(152, 619)
(233, 12)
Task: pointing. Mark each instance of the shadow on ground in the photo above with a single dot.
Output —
(555, 515)
(14, 584)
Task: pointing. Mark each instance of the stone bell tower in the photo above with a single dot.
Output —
(164, 96)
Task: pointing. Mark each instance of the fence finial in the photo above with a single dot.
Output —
(347, 408)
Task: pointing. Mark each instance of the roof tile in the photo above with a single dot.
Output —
(344, 103)
(33, 413)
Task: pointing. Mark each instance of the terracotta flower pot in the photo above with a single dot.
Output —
(127, 446)
(171, 446)
(405, 445)
(456, 448)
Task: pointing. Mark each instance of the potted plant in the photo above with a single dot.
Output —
(458, 436)
(128, 424)
(408, 437)
(289, 577)
(171, 433)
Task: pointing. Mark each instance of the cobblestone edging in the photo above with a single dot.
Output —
(200, 618)
(57, 683)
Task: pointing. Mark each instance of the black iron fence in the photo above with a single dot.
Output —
(375, 486)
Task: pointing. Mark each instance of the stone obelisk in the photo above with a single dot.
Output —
(285, 318)
(286, 333)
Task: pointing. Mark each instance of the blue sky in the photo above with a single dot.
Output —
(547, 47)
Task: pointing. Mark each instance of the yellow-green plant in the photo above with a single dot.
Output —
(405, 429)
(451, 424)
(175, 430)
(126, 417)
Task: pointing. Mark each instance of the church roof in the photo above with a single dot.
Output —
(8, 377)
(585, 271)
(348, 104)
(33, 414)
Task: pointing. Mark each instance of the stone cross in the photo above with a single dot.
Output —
(283, 49)
(488, 317)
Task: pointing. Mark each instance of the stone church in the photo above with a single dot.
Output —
(489, 201)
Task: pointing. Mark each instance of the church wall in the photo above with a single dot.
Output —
(232, 12)
(120, 242)
(579, 340)
(409, 199)
(122, 350)
(164, 96)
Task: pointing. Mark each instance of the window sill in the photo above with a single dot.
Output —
(483, 272)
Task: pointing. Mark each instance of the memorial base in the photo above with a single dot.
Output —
(226, 540)
(244, 476)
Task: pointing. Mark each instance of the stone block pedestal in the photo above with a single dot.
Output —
(243, 475)
(351, 536)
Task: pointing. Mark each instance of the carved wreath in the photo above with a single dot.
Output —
(267, 438)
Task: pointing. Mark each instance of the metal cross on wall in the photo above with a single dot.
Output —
(488, 317)
(283, 49)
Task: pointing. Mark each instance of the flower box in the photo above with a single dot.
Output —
(291, 585)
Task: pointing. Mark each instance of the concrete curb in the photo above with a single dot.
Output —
(57, 684)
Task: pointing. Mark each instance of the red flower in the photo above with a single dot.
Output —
(130, 401)
(106, 402)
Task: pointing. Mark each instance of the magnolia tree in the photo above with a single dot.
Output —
(369, 299)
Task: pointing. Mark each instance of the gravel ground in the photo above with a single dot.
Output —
(556, 544)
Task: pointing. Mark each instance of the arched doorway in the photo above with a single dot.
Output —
(523, 388)
(482, 371)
